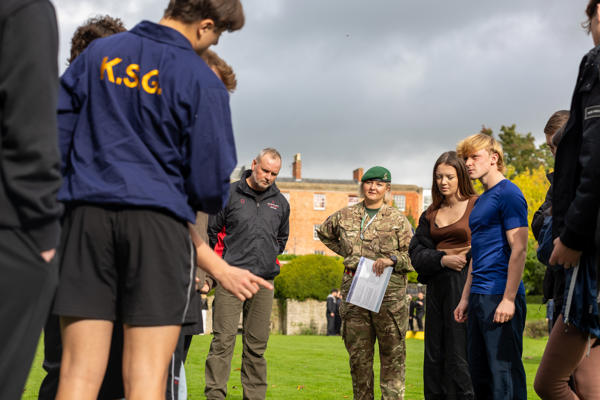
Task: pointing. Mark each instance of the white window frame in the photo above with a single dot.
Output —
(319, 198)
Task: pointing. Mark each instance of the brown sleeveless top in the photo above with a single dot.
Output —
(456, 237)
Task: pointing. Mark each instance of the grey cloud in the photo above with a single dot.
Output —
(350, 83)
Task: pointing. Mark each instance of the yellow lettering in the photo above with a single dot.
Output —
(107, 66)
(150, 87)
(131, 72)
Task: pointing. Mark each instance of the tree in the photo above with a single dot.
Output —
(520, 150)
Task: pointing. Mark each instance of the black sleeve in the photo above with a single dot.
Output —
(580, 219)
(216, 223)
(28, 96)
(424, 258)
(330, 305)
(538, 217)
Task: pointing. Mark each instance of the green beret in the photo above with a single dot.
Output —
(377, 174)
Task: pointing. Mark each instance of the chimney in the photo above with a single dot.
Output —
(297, 168)
(357, 174)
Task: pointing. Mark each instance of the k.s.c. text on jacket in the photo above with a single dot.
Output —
(29, 158)
(256, 228)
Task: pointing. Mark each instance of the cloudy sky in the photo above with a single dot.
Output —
(349, 83)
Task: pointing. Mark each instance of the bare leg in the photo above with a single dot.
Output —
(147, 351)
(86, 344)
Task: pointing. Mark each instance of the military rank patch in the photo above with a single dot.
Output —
(592, 112)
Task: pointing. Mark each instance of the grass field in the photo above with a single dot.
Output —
(306, 367)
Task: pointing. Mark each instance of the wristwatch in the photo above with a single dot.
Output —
(394, 260)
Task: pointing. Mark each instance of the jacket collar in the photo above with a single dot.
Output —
(161, 33)
(243, 187)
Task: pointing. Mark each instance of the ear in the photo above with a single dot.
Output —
(494, 158)
(205, 25)
(253, 164)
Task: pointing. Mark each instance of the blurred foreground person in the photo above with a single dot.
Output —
(374, 230)
(112, 386)
(439, 251)
(135, 175)
(572, 348)
(29, 165)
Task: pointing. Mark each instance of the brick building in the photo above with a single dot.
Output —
(313, 200)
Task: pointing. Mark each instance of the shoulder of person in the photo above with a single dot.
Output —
(509, 188)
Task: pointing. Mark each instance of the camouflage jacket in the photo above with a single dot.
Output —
(388, 234)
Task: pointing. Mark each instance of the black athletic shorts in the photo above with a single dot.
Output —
(135, 265)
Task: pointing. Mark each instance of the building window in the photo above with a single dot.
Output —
(315, 235)
(353, 199)
(319, 201)
(286, 195)
(400, 202)
(320, 252)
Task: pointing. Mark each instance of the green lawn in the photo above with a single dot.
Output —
(306, 367)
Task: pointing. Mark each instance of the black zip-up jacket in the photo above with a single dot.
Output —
(576, 186)
(424, 257)
(29, 159)
(256, 228)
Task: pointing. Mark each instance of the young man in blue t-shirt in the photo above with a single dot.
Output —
(494, 294)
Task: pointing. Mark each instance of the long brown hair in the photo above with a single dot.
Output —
(465, 186)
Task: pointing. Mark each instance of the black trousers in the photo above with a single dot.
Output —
(27, 285)
(445, 367)
(330, 325)
(495, 350)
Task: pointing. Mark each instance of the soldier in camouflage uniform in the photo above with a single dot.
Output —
(382, 233)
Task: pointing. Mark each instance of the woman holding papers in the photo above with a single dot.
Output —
(440, 253)
(377, 234)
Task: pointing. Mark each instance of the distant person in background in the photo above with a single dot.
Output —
(420, 310)
(29, 166)
(331, 306)
(380, 232)
(439, 251)
(411, 313)
(338, 318)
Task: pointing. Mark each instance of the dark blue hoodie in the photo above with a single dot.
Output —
(144, 122)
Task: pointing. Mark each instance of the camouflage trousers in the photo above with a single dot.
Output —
(360, 328)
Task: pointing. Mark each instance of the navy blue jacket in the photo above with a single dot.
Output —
(144, 122)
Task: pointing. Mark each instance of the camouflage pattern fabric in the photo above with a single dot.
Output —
(388, 234)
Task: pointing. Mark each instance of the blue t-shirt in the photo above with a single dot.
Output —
(496, 211)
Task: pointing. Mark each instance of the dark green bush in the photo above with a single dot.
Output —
(309, 277)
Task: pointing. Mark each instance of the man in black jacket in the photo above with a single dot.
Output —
(256, 228)
(29, 167)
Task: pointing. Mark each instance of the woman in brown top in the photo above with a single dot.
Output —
(439, 252)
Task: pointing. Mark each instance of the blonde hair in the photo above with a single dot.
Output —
(480, 141)
(387, 197)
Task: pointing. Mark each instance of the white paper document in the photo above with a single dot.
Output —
(367, 289)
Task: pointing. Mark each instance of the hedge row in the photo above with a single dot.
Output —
(309, 277)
